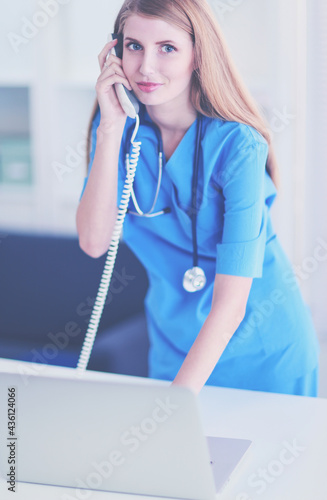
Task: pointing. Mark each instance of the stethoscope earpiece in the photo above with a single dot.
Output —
(194, 279)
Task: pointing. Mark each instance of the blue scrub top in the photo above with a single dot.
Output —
(276, 339)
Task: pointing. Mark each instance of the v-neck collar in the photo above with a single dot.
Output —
(180, 148)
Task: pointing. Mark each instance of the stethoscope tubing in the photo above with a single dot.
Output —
(195, 185)
(196, 196)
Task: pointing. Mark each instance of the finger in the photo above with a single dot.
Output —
(110, 81)
(112, 68)
(108, 47)
(105, 51)
(111, 58)
(112, 62)
(113, 78)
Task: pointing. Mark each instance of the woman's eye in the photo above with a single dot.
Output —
(134, 46)
(168, 49)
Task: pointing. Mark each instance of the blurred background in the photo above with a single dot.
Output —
(48, 71)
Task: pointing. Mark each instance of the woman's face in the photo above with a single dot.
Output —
(158, 60)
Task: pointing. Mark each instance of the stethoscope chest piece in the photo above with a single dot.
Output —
(194, 279)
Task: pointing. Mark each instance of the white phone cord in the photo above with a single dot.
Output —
(111, 256)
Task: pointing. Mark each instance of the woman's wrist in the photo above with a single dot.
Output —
(109, 134)
(110, 128)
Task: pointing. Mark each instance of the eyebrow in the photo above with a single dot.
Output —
(157, 43)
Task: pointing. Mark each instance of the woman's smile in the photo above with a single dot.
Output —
(148, 87)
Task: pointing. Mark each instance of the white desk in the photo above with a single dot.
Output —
(287, 460)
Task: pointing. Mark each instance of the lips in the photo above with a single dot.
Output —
(148, 86)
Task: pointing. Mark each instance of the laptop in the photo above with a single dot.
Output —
(87, 430)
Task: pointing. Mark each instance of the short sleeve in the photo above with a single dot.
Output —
(94, 128)
(243, 241)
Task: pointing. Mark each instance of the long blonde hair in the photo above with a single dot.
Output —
(217, 88)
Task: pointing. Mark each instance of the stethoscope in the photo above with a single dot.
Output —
(194, 278)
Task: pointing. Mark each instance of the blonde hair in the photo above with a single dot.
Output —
(217, 88)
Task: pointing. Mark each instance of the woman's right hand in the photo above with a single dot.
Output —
(111, 72)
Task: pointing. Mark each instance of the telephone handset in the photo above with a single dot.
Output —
(131, 107)
(127, 99)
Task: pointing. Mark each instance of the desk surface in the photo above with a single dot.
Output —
(287, 459)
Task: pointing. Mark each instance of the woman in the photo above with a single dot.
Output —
(248, 327)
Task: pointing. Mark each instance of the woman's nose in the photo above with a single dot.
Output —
(148, 63)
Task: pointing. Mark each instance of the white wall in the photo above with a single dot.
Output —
(316, 175)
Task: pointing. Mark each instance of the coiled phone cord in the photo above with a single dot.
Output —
(111, 256)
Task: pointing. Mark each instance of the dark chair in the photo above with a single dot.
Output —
(47, 289)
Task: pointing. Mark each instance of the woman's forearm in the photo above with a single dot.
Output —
(97, 211)
(206, 350)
